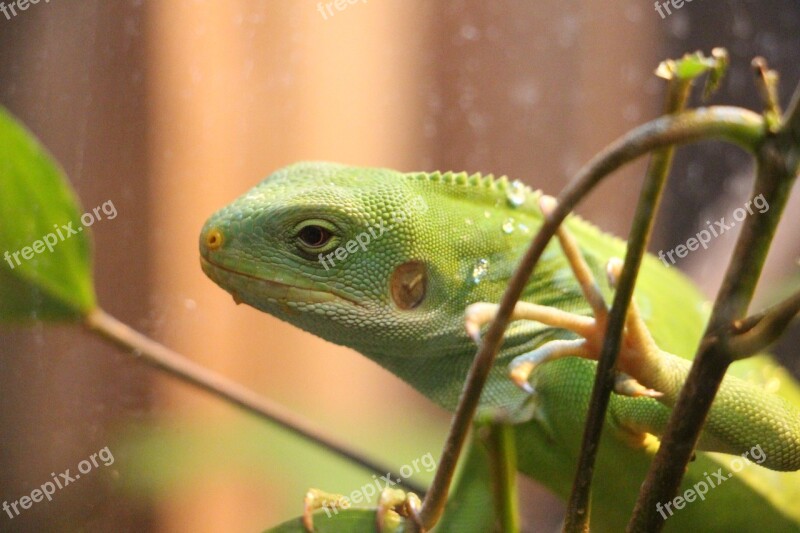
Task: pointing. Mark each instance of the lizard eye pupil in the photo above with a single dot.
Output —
(314, 236)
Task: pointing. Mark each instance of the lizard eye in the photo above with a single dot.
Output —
(314, 236)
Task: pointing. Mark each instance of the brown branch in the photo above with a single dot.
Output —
(159, 356)
(729, 123)
(578, 506)
(777, 167)
(757, 332)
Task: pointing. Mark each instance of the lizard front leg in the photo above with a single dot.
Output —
(591, 329)
(522, 366)
(737, 419)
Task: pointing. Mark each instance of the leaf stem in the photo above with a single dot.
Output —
(159, 356)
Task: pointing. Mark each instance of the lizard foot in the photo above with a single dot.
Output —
(393, 506)
(396, 503)
(637, 341)
(317, 499)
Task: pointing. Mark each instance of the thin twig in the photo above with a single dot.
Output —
(757, 332)
(777, 169)
(578, 506)
(767, 85)
(736, 125)
(159, 356)
(791, 122)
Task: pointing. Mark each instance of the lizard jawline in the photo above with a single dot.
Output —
(268, 288)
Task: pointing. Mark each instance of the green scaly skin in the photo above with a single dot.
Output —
(467, 233)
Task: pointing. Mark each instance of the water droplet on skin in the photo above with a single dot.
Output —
(480, 270)
(524, 228)
(487, 214)
(516, 193)
(508, 226)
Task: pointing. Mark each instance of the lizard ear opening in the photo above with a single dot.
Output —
(409, 284)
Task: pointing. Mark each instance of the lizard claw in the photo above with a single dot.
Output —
(393, 506)
(625, 385)
(520, 374)
(638, 351)
(614, 271)
(317, 499)
(523, 365)
(475, 316)
(395, 503)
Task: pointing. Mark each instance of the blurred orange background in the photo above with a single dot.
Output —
(173, 108)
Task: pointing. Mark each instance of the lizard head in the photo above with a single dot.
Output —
(382, 262)
(338, 251)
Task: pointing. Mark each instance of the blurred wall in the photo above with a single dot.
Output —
(75, 74)
(172, 109)
(239, 90)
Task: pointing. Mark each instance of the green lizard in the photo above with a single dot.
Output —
(406, 267)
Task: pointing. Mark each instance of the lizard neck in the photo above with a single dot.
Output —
(441, 377)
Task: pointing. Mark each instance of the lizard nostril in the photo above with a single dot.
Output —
(214, 239)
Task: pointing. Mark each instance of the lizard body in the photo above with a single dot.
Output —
(387, 262)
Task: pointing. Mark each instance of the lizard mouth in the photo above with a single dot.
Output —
(245, 287)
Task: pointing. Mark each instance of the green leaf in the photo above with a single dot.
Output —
(45, 270)
(347, 521)
(717, 72)
(470, 508)
(691, 66)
